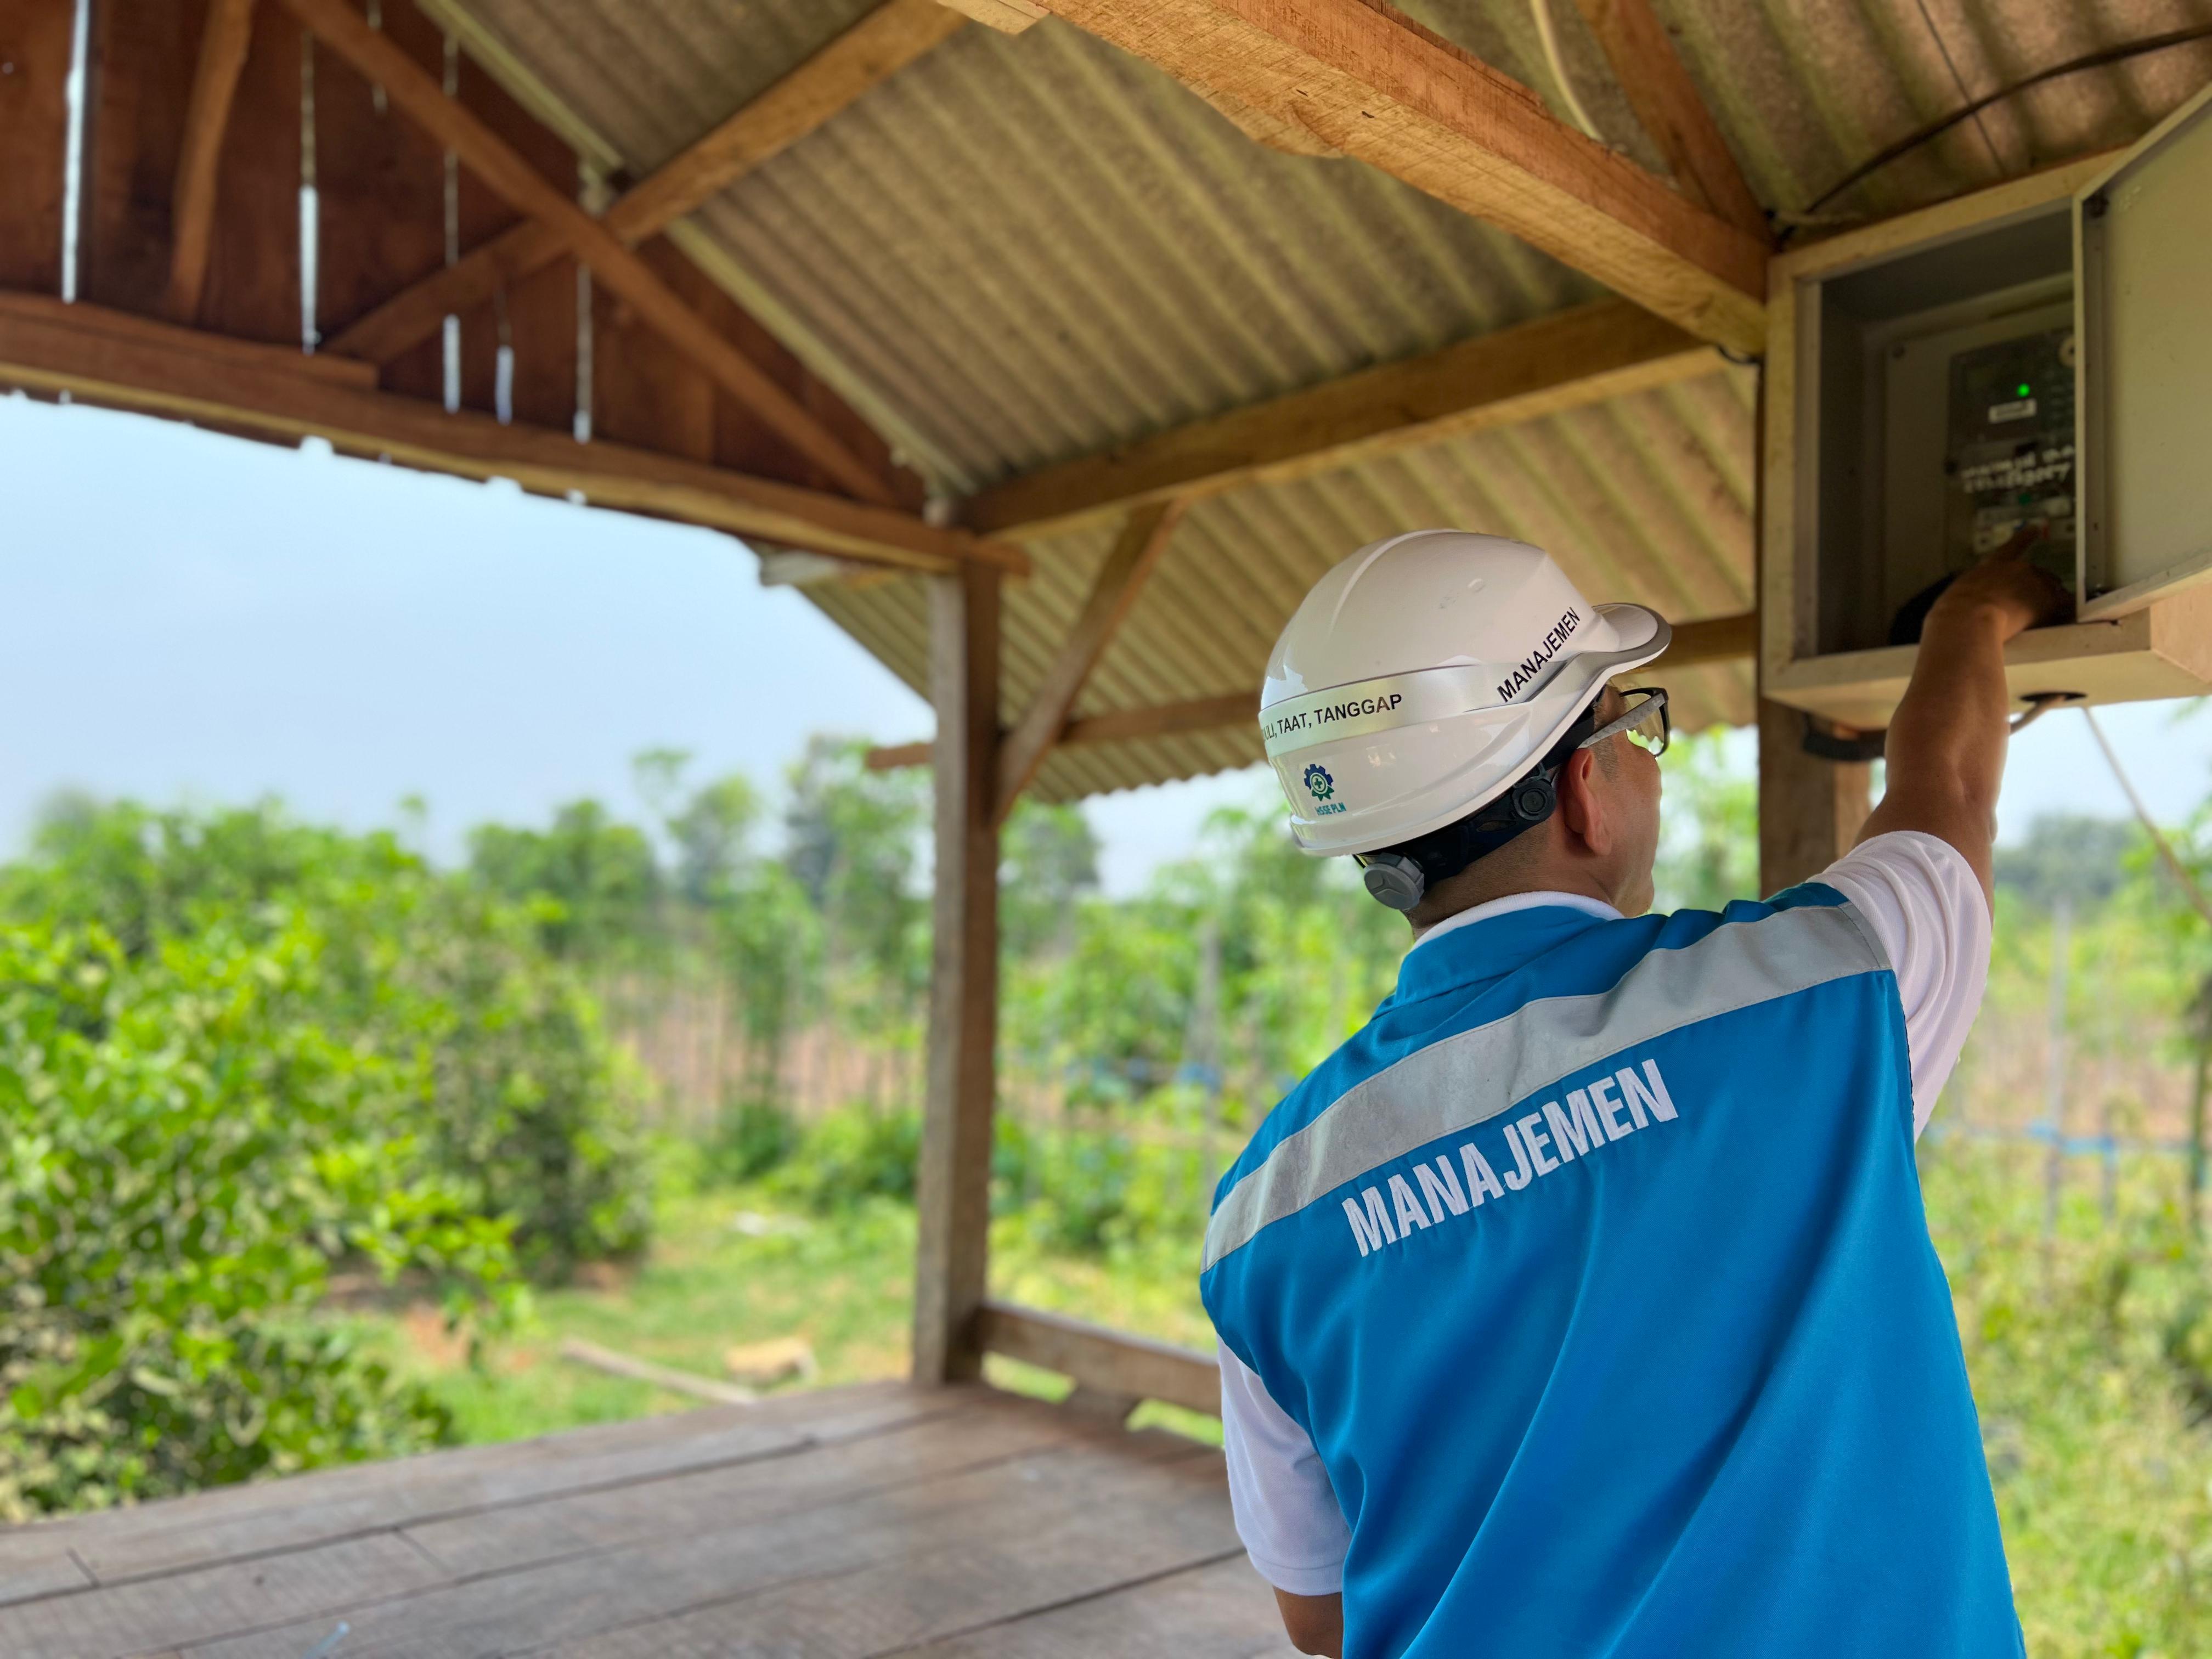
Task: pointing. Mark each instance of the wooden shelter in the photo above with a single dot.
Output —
(1052, 348)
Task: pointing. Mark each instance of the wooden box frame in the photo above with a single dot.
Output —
(2163, 649)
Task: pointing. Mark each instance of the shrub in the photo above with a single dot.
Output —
(531, 1101)
(528, 1108)
(188, 1148)
(752, 1139)
(854, 1155)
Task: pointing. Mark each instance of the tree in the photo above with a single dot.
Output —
(1049, 863)
(2069, 855)
(600, 875)
(853, 844)
(1709, 825)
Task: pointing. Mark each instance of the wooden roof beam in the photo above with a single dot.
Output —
(1709, 640)
(1566, 361)
(1007, 16)
(485, 153)
(1668, 105)
(1372, 83)
(1165, 719)
(865, 56)
(1135, 555)
(224, 40)
(114, 358)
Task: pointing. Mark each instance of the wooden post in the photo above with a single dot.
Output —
(953, 1194)
(1810, 810)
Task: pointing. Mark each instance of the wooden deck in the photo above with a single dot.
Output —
(878, 1519)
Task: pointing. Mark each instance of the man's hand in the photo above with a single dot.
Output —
(2004, 589)
(1947, 741)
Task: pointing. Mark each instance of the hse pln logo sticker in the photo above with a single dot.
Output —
(1322, 786)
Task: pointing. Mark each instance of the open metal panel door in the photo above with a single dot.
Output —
(2143, 241)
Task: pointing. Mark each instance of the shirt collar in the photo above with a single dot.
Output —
(1513, 902)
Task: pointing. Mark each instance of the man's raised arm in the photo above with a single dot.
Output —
(1946, 751)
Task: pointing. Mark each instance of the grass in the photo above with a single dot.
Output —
(2091, 1354)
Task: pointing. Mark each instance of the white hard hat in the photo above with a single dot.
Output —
(1425, 674)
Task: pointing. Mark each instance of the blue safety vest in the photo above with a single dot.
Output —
(1596, 1268)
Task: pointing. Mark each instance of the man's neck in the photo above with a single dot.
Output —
(1474, 886)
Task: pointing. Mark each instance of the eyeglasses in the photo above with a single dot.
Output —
(1644, 723)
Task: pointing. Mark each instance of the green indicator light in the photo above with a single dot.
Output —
(2025, 389)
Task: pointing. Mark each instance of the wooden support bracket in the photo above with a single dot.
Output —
(224, 40)
(864, 56)
(1135, 554)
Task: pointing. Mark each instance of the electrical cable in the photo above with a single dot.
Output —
(1550, 37)
(1914, 140)
(2158, 840)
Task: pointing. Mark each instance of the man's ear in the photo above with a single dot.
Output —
(1582, 807)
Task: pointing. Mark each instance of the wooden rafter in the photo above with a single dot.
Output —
(1709, 640)
(1581, 357)
(1371, 82)
(224, 40)
(134, 362)
(485, 154)
(863, 56)
(1667, 102)
(1135, 554)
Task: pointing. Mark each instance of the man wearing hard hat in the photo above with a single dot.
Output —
(1583, 1303)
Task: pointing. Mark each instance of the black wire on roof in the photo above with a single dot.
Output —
(1914, 140)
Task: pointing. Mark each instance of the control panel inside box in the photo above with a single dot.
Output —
(1945, 424)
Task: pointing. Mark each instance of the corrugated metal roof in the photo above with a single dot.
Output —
(1646, 498)
(1021, 249)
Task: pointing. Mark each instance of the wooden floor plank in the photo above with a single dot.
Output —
(307, 1587)
(992, 1513)
(1224, 1610)
(1056, 1544)
(179, 1534)
(44, 1569)
(679, 1505)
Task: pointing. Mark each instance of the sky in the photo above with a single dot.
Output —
(187, 618)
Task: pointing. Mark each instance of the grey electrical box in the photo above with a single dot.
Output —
(2037, 357)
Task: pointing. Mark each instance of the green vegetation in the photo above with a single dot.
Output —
(238, 1056)
(317, 1153)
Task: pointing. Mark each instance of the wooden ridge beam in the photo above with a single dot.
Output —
(134, 362)
(865, 56)
(1668, 105)
(1368, 81)
(224, 40)
(485, 153)
(1707, 640)
(1577, 357)
(1136, 553)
